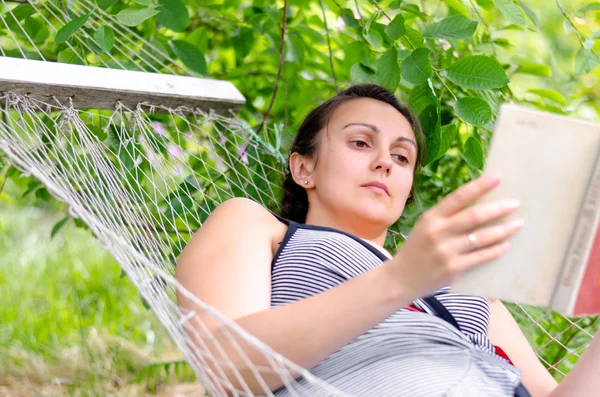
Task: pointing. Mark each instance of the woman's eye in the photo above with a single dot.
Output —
(360, 144)
(401, 158)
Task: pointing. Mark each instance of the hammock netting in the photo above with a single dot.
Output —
(144, 179)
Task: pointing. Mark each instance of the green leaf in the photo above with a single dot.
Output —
(370, 21)
(360, 74)
(388, 70)
(135, 16)
(458, 7)
(295, 48)
(512, 12)
(58, 226)
(473, 110)
(585, 61)
(549, 94)
(70, 28)
(396, 29)
(591, 7)
(42, 35)
(68, 56)
(454, 27)
(473, 153)
(412, 37)
(173, 15)
(374, 38)
(421, 97)
(528, 67)
(190, 56)
(530, 13)
(432, 132)
(416, 68)
(413, 9)
(106, 4)
(244, 40)
(93, 46)
(486, 4)
(199, 38)
(477, 72)
(105, 37)
(395, 4)
(145, 3)
(448, 134)
(20, 12)
(348, 17)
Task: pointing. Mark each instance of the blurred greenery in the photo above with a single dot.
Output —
(60, 293)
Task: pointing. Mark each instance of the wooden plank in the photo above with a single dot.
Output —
(100, 88)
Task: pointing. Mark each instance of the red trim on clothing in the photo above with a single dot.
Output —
(502, 354)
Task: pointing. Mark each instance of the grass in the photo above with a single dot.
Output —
(70, 324)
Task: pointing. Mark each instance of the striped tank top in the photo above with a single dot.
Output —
(410, 353)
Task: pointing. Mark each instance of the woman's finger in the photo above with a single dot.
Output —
(466, 194)
(479, 215)
(481, 256)
(485, 237)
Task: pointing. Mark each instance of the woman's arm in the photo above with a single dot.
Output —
(584, 379)
(227, 265)
(505, 333)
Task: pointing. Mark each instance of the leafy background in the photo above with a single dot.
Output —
(68, 313)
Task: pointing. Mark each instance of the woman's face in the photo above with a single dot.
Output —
(366, 142)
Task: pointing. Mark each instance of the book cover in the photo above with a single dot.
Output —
(547, 162)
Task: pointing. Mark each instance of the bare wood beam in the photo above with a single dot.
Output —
(100, 88)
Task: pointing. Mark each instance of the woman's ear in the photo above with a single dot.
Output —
(301, 169)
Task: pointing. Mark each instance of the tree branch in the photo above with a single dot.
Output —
(577, 32)
(329, 45)
(281, 56)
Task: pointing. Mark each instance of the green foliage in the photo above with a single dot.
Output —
(190, 56)
(70, 28)
(173, 15)
(473, 153)
(512, 12)
(474, 111)
(478, 72)
(416, 68)
(105, 37)
(135, 16)
(454, 27)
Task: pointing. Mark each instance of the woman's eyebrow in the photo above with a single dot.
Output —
(376, 130)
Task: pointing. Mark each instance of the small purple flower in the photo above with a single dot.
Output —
(241, 151)
(174, 150)
(159, 128)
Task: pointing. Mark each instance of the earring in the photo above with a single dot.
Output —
(306, 182)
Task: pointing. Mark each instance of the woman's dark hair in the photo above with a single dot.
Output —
(294, 201)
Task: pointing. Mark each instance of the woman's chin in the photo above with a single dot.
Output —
(379, 214)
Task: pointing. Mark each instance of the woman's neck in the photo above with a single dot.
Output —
(364, 230)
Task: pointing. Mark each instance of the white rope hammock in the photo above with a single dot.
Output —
(145, 174)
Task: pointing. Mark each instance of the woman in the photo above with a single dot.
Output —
(316, 285)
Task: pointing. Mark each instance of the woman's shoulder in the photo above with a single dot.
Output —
(248, 214)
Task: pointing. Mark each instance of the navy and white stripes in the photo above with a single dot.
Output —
(409, 353)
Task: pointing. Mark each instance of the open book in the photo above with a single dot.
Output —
(551, 164)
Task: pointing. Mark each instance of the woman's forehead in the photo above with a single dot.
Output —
(368, 111)
(376, 115)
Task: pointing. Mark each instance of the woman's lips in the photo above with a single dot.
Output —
(376, 189)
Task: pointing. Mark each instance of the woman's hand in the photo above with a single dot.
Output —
(450, 238)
